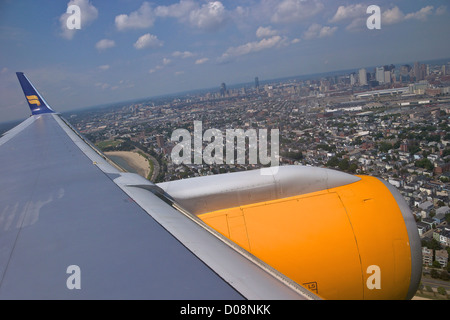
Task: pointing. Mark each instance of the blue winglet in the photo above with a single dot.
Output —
(36, 102)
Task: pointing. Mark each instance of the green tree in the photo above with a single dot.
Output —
(432, 244)
(424, 163)
(434, 273)
(441, 290)
(353, 167)
(385, 146)
(344, 165)
(333, 162)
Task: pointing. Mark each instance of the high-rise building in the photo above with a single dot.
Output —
(404, 73)
(379, 74)
(423, 71)
(404, 146)
(352, 79)
(420, 71)
(256, 83)
(387, 76)
(416, 70)
(362, 77)
(223, 89)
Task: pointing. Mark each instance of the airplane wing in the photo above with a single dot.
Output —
(72, 226)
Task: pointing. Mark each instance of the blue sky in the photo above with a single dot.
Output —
(130, 49)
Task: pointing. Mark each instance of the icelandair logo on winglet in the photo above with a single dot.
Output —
(34, 100)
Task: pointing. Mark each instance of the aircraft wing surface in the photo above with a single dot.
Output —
(72, 226)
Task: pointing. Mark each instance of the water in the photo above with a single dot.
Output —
(122, 163)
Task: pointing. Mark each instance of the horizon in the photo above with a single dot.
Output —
(139, 50)
(216, 88)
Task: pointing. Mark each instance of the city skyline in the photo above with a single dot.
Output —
(135, 49)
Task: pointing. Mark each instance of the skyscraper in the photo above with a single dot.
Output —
(223, 89)
(379, 74)
(404, 72)
(256, 83)
(420, 71)
(362, 77)
(417, 70)
(387, 76)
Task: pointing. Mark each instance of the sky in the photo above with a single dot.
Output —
(132, 49)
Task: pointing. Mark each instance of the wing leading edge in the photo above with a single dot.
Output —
(63, 207)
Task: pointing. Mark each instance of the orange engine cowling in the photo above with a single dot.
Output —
(357, 240)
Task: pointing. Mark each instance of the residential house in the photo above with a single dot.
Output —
(444, 238)
(426, 208)
(427, 256)
(422, 228)
(439, 218)
(441, 256)
(443, 210)
(428, 221)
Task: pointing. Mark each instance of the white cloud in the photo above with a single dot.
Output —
(143, 18)
(177, 10)
(327, 31)
(421, 15)
(184, 55)
(105, 44)
(392, 16)
(165, 62)
(103, 85)
(264, 32)
(242, 12)
(349, 12)
(295, 10)
(251, 47)
(354, 12)
(358, 24)
(211, 16)
(104, 67)
(208, 17)
(395, 15)
(201, 61)
(88, 13)
(388, 17)
(148, 40)
(318, 31)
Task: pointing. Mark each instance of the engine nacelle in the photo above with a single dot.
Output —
(340, 236)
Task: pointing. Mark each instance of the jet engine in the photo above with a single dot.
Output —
(338, 235)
